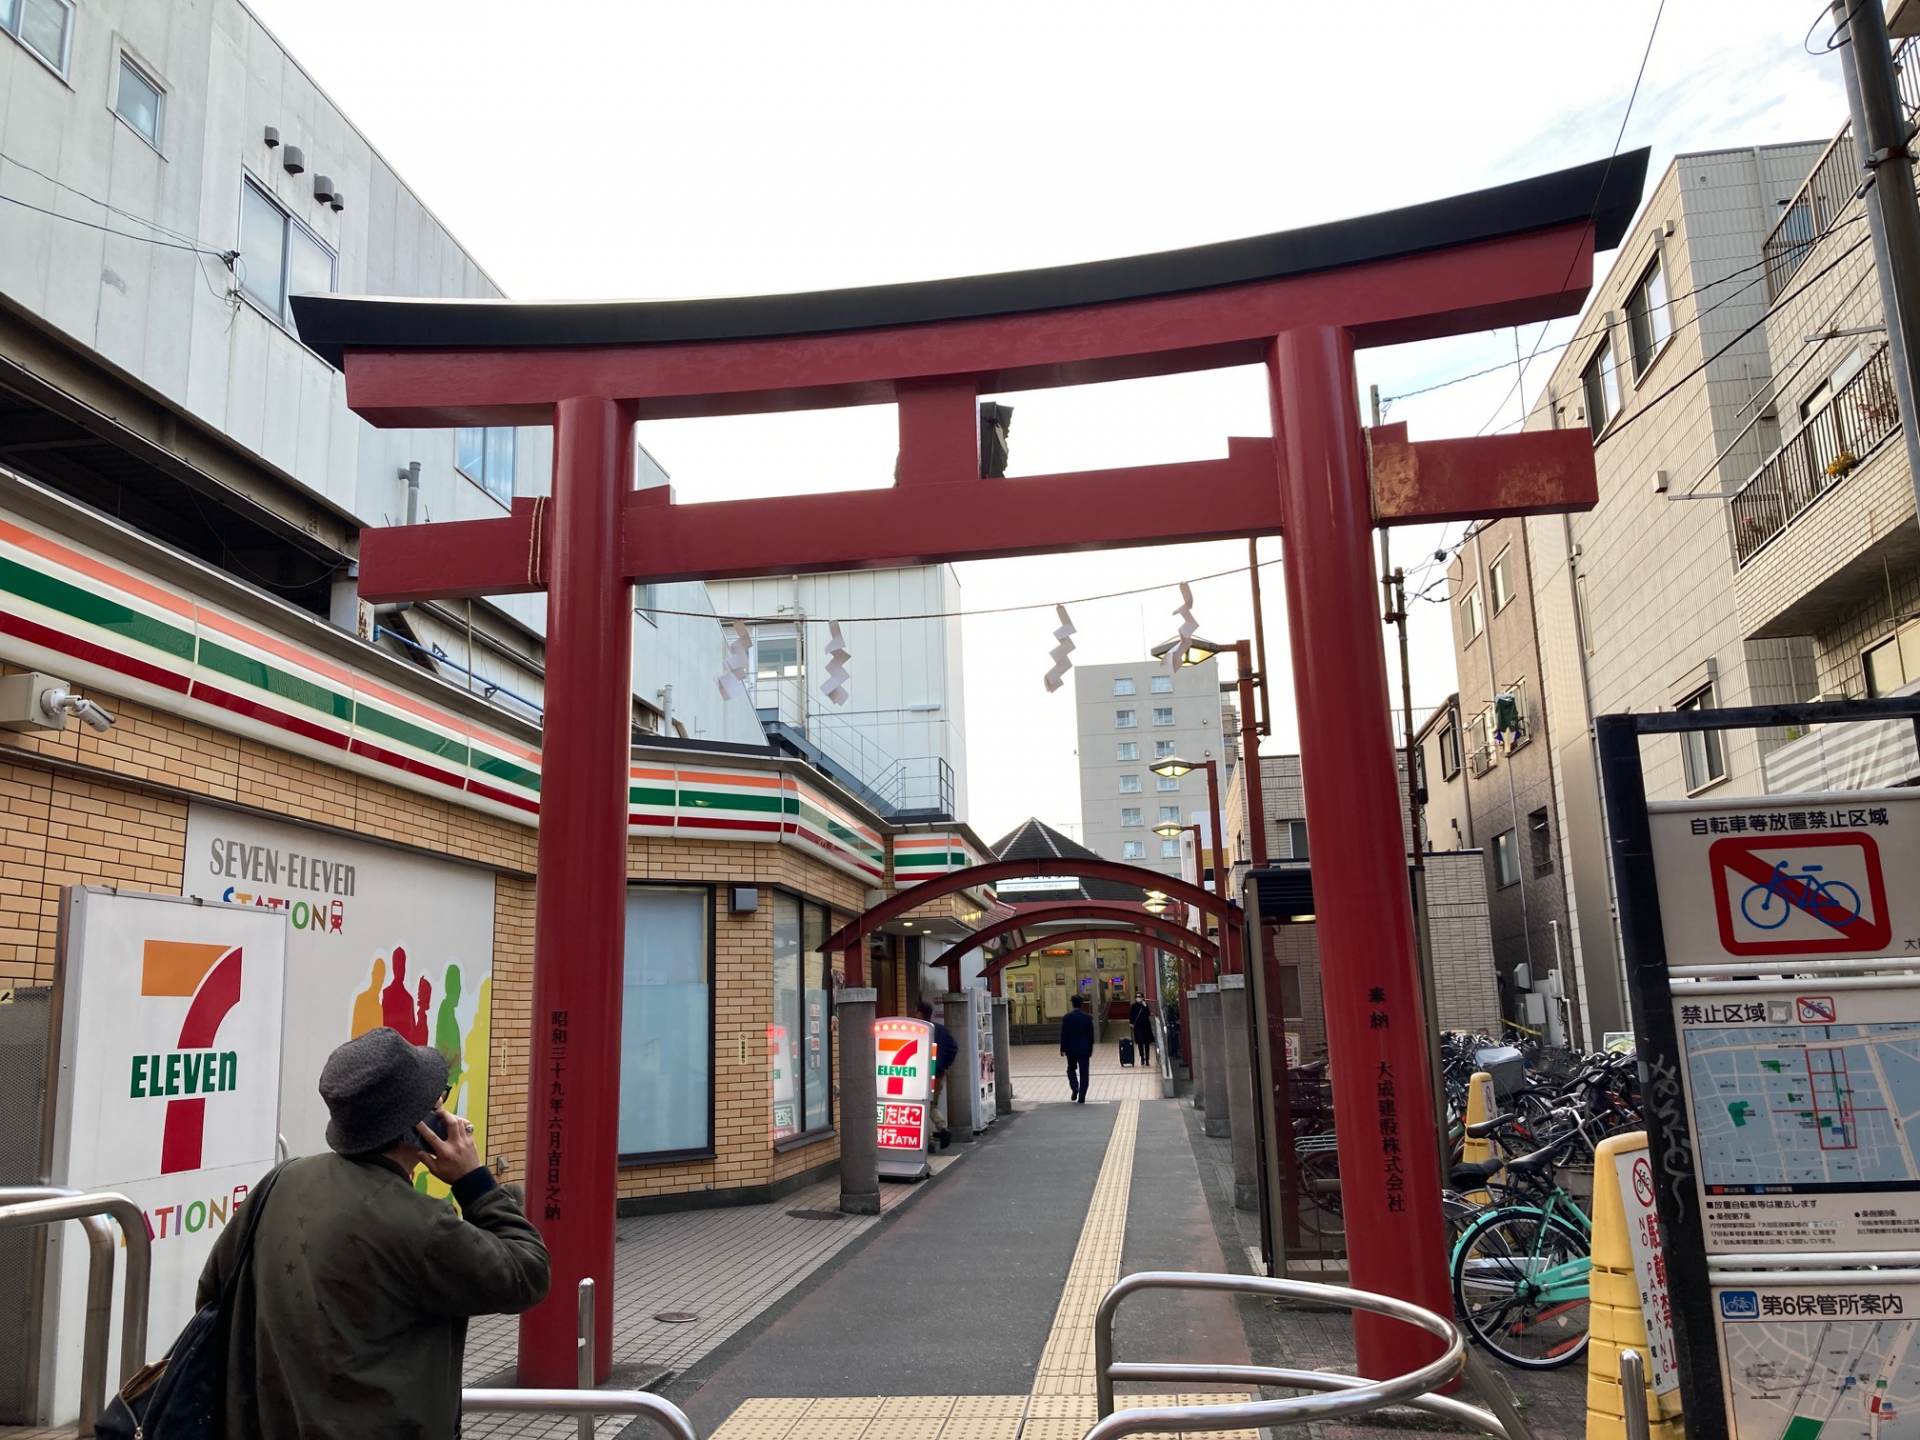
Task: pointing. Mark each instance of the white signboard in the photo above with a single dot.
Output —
(903, 1061)
(168, 1089)
(1635, 1173)
(1819, 1361)
(1804, 1105)
(376, 936)
(1789, 877)
(979, 1044)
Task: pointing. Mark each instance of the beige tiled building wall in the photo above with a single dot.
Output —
(1196, 733)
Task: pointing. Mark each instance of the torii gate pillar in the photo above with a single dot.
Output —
(1377, 1049)
(578, 948)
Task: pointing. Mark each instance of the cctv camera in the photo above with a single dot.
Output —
(59, 704)
(95, 718)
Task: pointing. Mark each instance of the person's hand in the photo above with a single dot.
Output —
(453, 1158)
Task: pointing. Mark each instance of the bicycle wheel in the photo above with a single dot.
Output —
(1496, 1288)
(1830, 893)
(1774, 919)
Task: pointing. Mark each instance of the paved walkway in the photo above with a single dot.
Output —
(1040, 1076)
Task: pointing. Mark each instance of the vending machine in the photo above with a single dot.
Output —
(979, 1046)
(902, 1082)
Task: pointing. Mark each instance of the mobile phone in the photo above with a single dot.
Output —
(435, 1122)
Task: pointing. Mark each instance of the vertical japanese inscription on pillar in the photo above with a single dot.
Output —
(556, 1110)
(1387, 1098)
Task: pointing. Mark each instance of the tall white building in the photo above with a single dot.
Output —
(900, 735)
(1129, 716)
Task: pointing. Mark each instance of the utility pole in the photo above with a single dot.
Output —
(1394, 582)
(1881, 135)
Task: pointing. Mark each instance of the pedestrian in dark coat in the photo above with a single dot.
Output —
(1076, 1043)
(1141, 1019)
(945, 1052)
(350, 1319)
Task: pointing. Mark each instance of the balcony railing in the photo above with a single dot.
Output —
(1833, 443)
(1480, 760)
(1829, 187)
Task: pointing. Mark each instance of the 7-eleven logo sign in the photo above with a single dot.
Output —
(901, 1049)
(184, 1076)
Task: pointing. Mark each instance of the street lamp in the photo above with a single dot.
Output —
(1173, 767)
(1197, 652)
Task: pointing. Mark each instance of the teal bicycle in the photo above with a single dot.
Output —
(1521, 1266)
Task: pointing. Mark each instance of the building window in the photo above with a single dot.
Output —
(1473, 616)
(43, 26)
(1601, 381)
(1894, 663)
(1127, 750)
(485, 456)
(1130, 815)
(800, 1041)
(1169, 815)
(1706, 759)
(1170, 849)
(1133, 849)
(1506, 864)
(1161, 685)
(1540, 841)
(1499, 581)
(1125, 719)
(1129, 784)
(1449, 750)
(279, 257)
(1162, 749)
(1166, 782)
(1648, 321)
(666, 1023)
(138, 100)
(1123, 685)
(1296, 838)
(1163, 715)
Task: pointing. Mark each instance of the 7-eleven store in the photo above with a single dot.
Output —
(261, 756)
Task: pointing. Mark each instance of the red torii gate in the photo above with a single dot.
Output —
(1299, 302)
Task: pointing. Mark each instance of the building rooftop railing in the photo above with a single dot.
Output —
(1834, 442)
(1830, 186)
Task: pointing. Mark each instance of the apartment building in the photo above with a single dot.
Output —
(1446, 820)
(1129, 716)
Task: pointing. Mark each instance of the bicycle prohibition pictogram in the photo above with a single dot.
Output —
(1808, 895)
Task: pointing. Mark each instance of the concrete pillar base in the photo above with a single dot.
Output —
(1213, 1062)
(1002, 1058)
(1242, 1117)
(859, 1141)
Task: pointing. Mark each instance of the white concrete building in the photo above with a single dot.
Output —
(900, 736)
(170, 176)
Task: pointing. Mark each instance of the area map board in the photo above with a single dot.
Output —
(1806, 1359)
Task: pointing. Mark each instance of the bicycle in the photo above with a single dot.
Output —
(1819, 898)
(1521, 1267)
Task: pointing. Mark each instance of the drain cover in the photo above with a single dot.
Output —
(676, 1317)
(817, 1214)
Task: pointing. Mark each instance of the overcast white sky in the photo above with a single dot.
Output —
(611, 148)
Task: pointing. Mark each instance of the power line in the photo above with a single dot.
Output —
(726, 619)
(1520, 380)
(1606, 327)
(1640, 410)
(191, 248)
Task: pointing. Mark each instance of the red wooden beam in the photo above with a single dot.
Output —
(1514, 279)
(1536, 472)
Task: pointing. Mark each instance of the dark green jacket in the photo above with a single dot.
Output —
(353, 1318)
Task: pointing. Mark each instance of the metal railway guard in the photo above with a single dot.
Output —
(1299, 303)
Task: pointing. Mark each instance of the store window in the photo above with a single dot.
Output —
(666, 1023)
(1161, 685)
(800, 1041)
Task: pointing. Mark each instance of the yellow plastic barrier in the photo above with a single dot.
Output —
(1615, 1322)
(1480, 1106)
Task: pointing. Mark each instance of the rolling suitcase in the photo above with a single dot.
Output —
(1126, 1052)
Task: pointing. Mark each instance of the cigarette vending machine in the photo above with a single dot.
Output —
(979, 1060)
(902, 1079)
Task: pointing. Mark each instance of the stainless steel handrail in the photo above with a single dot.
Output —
(34, 1205)
(1350, 1395)
(1633, 1396)
(668, 1416)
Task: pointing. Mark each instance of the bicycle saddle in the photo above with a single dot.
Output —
(1480, 1129)
(1541, 1159)
(1468, 1174)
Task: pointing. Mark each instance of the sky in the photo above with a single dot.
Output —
(626, 148)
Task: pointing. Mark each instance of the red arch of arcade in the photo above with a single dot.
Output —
(848, 937)
(1112, 911)
(1092, 932)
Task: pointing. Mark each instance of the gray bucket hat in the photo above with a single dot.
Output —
(377, 1087)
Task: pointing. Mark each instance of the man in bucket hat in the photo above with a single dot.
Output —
(349, 1319)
